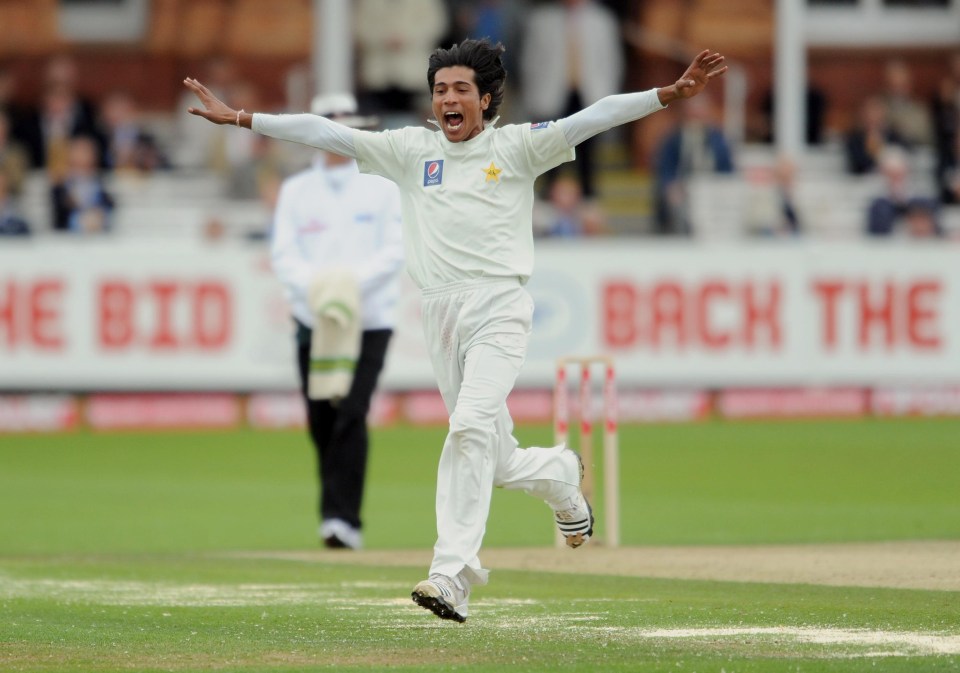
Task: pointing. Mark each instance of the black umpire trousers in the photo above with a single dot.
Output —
(339, 432)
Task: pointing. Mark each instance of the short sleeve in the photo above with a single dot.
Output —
(546, 147)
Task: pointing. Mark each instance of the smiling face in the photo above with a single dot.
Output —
(457, 103)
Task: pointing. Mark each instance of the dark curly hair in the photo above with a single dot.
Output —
(484, 58)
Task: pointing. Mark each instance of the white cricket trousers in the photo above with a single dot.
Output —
(476, 333)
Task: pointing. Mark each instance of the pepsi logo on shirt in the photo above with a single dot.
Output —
(432, 172)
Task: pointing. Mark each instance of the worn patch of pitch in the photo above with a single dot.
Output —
(491, 613)
(105, 592)
(892, 643)
(110, 592)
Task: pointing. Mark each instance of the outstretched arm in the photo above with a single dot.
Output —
(307, 129)
(622, 108)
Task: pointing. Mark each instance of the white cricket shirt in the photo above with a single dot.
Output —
(467, 206)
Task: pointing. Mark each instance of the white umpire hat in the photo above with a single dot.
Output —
(342, 108)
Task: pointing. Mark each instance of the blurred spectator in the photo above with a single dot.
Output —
(7, 87)
(197, 142)
(14, 162)
(246, 159)
(772, 207)
(22, 120)
(81, 203)
(922, 220)
(946, 123)
(899, 205)
(130, 147)
(63, 115)
(695, 146)
(395, 40)
(816, 116)
(214, 230)
(269, 195)
(11, 223)
(566, 214)
(908, 116)
(265, 164)
(871, 135)
(572, 57)
(242, 159)
(497, 20)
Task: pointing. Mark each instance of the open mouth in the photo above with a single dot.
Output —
(453, 120)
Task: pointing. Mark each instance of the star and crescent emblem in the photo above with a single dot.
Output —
(492, 173)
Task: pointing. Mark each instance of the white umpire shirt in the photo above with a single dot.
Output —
(335, 217)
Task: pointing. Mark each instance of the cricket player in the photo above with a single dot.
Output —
(467, 202)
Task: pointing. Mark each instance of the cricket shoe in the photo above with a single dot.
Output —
(575, 517)
(338, 534)
(442, 596)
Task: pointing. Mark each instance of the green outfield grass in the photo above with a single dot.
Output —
(118, 553)
(713, 482)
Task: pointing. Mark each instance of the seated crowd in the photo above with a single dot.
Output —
(83, 150)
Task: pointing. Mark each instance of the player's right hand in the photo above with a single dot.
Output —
(214, 109)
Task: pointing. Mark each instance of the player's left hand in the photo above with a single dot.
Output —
(704, 68)
(214, 109)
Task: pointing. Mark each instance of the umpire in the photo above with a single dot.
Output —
(331, 219)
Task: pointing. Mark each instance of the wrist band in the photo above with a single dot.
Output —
(238, 115)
